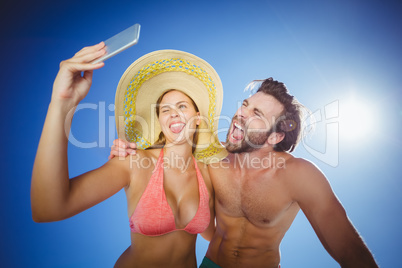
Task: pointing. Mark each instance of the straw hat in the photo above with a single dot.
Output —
(148, 78)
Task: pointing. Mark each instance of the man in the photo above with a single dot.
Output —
(260, 187)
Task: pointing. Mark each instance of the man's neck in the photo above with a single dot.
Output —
(263, 158)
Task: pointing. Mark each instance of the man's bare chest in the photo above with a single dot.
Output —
(262, 200)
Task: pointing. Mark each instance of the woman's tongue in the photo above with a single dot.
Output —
(176, 127)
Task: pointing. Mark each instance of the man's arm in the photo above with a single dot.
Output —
(312, 191)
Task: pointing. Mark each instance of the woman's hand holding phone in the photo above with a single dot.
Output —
(74, 78)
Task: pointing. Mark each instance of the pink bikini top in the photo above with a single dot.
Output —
(153, 216)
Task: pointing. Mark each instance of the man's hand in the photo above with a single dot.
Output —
(122, 148)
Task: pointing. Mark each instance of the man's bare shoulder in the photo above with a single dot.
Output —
(297, 164)
(301, 174)
(221, 163)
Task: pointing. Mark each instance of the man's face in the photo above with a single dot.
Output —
(252, 123)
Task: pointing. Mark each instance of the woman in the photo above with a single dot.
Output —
(169, 193)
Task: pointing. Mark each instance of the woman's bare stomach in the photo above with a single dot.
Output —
(176, 249)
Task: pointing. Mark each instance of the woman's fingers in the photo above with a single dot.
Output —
(90, 49)
(88, 54)
(74, 67)
(74, 78)
(88, 75)
(88, 57)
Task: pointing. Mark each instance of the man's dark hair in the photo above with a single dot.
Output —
(289, 121)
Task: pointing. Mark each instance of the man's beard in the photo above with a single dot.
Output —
(252, 140)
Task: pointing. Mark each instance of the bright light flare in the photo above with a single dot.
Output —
(357, 120)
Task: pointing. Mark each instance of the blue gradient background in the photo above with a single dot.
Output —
(323, 50)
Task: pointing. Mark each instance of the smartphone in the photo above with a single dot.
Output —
(120, 42)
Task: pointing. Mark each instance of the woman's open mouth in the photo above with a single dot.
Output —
(176, 127)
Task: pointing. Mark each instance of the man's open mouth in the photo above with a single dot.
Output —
(237, 132)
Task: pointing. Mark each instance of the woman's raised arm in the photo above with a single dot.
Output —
(53, 195)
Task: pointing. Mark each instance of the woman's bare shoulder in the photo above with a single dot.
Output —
(136, 164)
(205, 173)
(151, 153)
(202, 165)
(203, 168)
